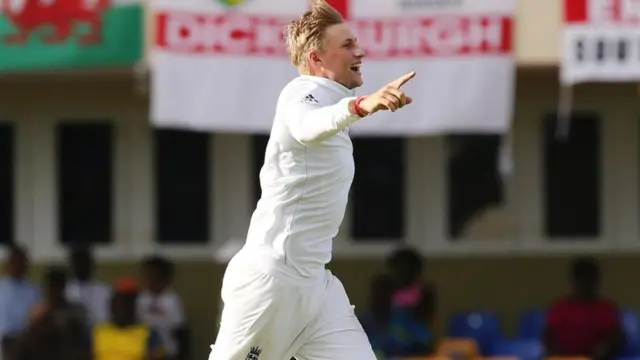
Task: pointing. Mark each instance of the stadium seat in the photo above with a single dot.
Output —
(630, 322)
(523, 349)
(465, 348)
(532, 324)
(484, 327)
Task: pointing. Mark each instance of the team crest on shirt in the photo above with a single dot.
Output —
(254, 353)
(309, 99)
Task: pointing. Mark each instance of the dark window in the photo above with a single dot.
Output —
(259, 146)
(182, 183)
(377, 194)
(85, 181)
(7, 200)
(474, 184)
(572, 178)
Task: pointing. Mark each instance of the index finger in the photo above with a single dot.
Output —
(402, 80)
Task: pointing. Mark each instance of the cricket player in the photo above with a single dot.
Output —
(279, 300)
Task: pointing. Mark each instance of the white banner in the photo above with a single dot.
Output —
(220, 67)
(601, 41)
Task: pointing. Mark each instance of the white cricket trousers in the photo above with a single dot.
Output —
(282, 318)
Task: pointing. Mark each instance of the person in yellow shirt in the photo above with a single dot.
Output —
(124, 337)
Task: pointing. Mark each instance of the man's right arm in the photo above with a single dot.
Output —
(310, 123)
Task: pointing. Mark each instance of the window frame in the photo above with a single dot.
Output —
(42, 137)
(350, 213)
(21, 189)
(210, 179)
(58, 174)
(232, 186)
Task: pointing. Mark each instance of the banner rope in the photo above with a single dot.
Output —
(565, 109)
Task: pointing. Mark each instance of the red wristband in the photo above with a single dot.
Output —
(359, 111)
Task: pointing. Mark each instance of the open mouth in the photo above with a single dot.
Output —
(356, 68)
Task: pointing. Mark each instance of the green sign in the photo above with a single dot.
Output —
(69, 34)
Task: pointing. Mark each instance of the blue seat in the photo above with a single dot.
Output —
(523, 349)
(630, 323)
(483, 326)
(532, 324)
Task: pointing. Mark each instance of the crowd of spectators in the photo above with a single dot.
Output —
(581, 323)
(75, 316)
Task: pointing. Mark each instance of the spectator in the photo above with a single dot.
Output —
(84, 289)
(124, 337)
(161, 308)
(392, 332)
(412, 293)
(59, 328)
(17, 297)
(583, 323)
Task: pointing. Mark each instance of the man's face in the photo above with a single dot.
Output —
(587, 287)
(82, 268)
(341, 59)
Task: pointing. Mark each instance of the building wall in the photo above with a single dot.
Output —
(491, 273)
(538, 32)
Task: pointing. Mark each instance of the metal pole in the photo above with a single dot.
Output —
(565, 109)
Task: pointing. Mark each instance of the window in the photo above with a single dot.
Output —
(259, 146)
(572, 178)
(85, 181)
(476, 196)
(7, 199)
(378, 194)
(182, 186)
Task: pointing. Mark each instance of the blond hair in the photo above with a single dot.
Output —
(308, 32)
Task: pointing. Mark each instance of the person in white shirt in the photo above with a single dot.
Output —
(94, 295)
(279, 299)
(160, 308)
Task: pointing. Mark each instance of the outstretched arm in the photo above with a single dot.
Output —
(310, 123)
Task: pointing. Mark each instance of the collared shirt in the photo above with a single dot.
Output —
(305, 179)
(162, 312)
(93, 295)
(17, 298)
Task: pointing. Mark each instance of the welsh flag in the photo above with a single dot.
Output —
(218, 65)
(69, 34)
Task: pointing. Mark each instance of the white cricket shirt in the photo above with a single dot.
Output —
(306, 177)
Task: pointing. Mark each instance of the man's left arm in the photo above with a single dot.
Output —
(155, 347)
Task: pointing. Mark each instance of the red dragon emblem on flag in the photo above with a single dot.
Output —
(55, 19)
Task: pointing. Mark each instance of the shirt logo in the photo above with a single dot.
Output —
(309, 99)
(254, 353)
